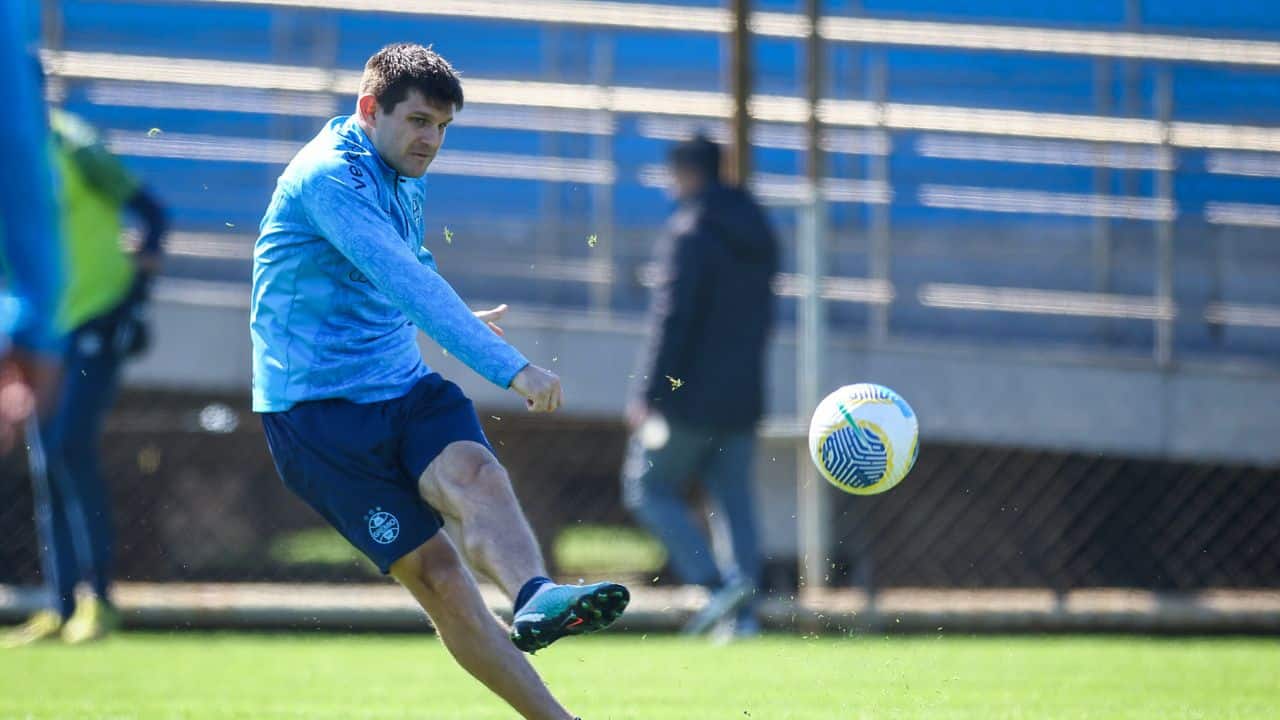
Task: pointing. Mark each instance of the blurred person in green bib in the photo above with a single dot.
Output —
(102, 309)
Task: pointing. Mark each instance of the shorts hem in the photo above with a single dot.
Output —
(385, 569)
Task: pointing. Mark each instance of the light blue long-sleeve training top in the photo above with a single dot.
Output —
(341, 279)
(29, 244)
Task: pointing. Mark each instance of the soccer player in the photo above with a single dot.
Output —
(103, 302)
(30, 339)
(359, 427)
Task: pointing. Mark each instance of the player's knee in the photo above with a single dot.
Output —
(490, 478)
(483, 476)
(465, 467)
(435, 567)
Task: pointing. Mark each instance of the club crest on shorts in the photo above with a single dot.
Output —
(384, 528)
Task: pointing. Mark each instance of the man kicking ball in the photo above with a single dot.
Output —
(359, 427)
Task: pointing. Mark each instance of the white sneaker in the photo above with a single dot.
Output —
(721, 603)
(733, 629)
(44, 625)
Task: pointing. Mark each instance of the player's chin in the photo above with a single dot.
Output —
(416, 166)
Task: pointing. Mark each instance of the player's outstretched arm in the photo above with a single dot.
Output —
(348, 215)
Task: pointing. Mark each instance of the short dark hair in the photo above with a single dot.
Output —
(396, 69)
(699, 154)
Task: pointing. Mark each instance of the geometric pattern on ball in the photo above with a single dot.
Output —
(864, 438)
(856, 457)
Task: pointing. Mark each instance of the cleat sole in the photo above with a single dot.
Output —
(589, 614)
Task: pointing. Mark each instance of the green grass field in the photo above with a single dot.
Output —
(180, 676)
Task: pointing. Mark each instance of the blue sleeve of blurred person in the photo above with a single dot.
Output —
(32, 253)
(154, 221)
(351, 219)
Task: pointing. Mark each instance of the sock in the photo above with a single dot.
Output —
(528, 590)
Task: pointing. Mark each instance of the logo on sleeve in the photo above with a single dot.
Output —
(357, 174)
(384, 528)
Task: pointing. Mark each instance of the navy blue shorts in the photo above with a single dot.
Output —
(358, 464)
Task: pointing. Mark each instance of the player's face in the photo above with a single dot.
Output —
(686, 182)
(409, 136)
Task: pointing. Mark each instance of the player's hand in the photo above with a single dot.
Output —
(637, 412)
(17, 402)
(540, 388)
(28, 384)
(491, 318)
(42, 373)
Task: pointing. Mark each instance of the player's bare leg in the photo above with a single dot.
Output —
(468, 485)
(445, 588)
(470, 488)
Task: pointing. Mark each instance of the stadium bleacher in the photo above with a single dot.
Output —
(1025, 192)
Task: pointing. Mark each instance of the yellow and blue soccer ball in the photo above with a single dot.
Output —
(864, 438)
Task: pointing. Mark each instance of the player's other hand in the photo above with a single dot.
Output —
(637, 413)
(28, 384)
(540, 388)
(491, 317)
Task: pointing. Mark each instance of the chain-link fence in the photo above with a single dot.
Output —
(197, 498)
(1004, 517)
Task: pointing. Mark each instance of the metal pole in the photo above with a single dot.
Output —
(1131, 97)
(548, 238)
(813, 86)
(740, 157)
(51, 24)
(51, 31)
(602, 226)
(813, 515)
(881, 252)
(1164, 226)
(1102, 186)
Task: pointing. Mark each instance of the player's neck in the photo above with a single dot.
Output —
(365, 127)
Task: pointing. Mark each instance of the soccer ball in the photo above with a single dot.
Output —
(864, 438)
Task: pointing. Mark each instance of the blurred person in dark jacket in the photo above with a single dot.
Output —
(102, 308)
(701, 388)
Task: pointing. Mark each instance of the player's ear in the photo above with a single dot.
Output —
(367, 106)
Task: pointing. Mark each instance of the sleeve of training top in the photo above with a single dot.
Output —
(350, 218)
(28, 224)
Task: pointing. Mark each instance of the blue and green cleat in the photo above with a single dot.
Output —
(561, 610)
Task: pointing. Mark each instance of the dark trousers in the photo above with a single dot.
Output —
(656, 482)
(73, 514)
